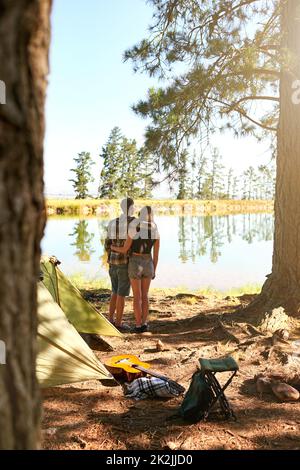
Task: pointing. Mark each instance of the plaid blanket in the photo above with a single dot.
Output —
(150, 388)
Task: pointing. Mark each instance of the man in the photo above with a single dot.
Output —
(118, 263)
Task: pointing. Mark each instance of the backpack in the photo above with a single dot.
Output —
(197, 399)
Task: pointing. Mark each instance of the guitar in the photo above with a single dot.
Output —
(134, 367)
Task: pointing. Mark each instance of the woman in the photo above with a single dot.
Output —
(142, 238)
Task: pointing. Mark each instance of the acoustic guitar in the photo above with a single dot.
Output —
(134, 368)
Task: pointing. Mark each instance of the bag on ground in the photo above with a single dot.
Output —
(197, 399)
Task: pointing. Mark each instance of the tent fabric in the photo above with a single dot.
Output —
(63, 356)
(80, 313)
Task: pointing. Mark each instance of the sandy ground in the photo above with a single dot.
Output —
(90, 415)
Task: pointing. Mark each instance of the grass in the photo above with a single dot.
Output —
(83, 283)
(109, 208)
(100, 284)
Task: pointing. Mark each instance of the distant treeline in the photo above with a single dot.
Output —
(130, 170)
(109, 208)
(205, 177)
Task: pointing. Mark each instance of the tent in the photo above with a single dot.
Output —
(63, 356)
(83, 316)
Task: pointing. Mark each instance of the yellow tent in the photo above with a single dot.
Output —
(80, 313)
(63, 356)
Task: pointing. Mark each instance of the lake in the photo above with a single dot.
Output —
(220, 252)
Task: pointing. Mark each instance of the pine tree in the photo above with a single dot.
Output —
(202, 172)
(127, 170)
(83, 175)
(249, 183)
(183, 176)
(214, 183)
(25, 36)
(235, 188)
(193, 181)
(240, 53)
(229, 188)
(131, 178)
(109, 186)
(266, 174)
(147, 164)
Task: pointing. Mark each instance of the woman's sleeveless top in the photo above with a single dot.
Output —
(144, 235)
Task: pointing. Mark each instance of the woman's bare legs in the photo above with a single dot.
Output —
(146, 281)
(136, 285)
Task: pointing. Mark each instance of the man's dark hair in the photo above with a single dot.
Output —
(126, 204)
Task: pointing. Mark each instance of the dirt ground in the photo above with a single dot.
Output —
(90, 415)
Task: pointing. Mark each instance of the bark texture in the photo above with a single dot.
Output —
(24, 44)
(282, 288)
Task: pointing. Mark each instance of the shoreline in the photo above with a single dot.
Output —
(109, 208)
(208, 291)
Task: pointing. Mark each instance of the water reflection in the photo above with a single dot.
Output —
(83, 240)
(196, 251)
(200, 236)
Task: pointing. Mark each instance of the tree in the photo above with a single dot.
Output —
(25, 31)
(192, 182)
(253, 59)
(182, 177)
(131, 176)
(250, 179)
(235, 185)
(216, 176)
(202, 172)
(109, 178)
(266, 175)
(213, 185)
(229, 184)
(83, 175)
(127, 169)
(147, 164)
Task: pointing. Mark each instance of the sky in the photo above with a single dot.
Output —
(91, 90)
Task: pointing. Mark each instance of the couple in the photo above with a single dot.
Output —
(129, 245)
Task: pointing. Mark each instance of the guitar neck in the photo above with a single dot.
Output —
(152, 372)
(180, 389)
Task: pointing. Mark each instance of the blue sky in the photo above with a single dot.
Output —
(91, 89)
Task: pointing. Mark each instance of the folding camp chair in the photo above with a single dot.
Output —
(209, 369)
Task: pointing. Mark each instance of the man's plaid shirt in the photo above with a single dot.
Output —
(117, 232)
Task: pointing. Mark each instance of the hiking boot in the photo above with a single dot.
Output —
(144, 327)
(137, 329)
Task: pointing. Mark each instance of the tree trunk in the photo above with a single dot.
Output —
(282, 288)
(24, 44)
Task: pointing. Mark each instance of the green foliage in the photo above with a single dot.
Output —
(218, 58)
(182, 177)
(110, 155)
(259, 183)
(127, 170)
(205, 177)
(83, 175)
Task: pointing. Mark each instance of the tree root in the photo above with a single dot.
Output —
(231, 336)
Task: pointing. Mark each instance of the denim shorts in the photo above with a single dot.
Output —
(140, 266)
(120, 283)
